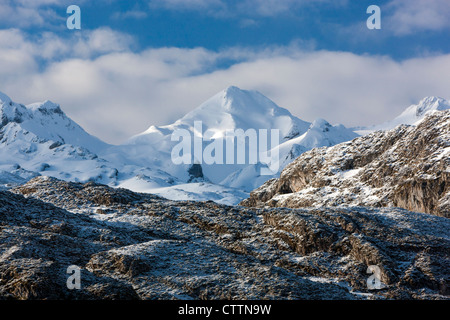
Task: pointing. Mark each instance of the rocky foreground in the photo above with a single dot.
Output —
(139, 246)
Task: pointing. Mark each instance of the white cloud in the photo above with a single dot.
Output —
(186, 4)
(20, 16)
(102, 40)
(32, 13)
(48, 46)
(117, 93)
(410, 16)
(267, 7)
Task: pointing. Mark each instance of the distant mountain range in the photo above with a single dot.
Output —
(39, 139)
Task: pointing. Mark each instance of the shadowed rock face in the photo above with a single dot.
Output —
(407, 167)
(195, 172)
(139, 246)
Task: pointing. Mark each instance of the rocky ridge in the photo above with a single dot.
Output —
(407, 167)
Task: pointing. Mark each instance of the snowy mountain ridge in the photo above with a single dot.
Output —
(46, 121)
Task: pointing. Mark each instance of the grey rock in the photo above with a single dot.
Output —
(141, 246)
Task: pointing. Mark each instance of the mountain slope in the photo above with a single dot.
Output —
(406, 167)
(319, 134)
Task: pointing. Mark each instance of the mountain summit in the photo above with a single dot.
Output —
(418, 112)
(45, 121)
(234, 108)
(228, 110)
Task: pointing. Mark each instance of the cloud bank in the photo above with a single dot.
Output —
(115, 92)
(410, 16)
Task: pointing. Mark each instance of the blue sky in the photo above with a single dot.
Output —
(216, 24)
(330, 25)
(138, 63)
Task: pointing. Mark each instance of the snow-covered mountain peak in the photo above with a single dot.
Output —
(417, 112)
(429, 104)
(320, 124)
(11, 111)
(46, 122)
(234, 102)
(320, 134)
(230, 109)
(40, 112)
(234, 108)
(239, 101)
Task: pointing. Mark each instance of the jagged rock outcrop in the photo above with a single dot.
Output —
(407, 167)
(139, 246)
(195, 172)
